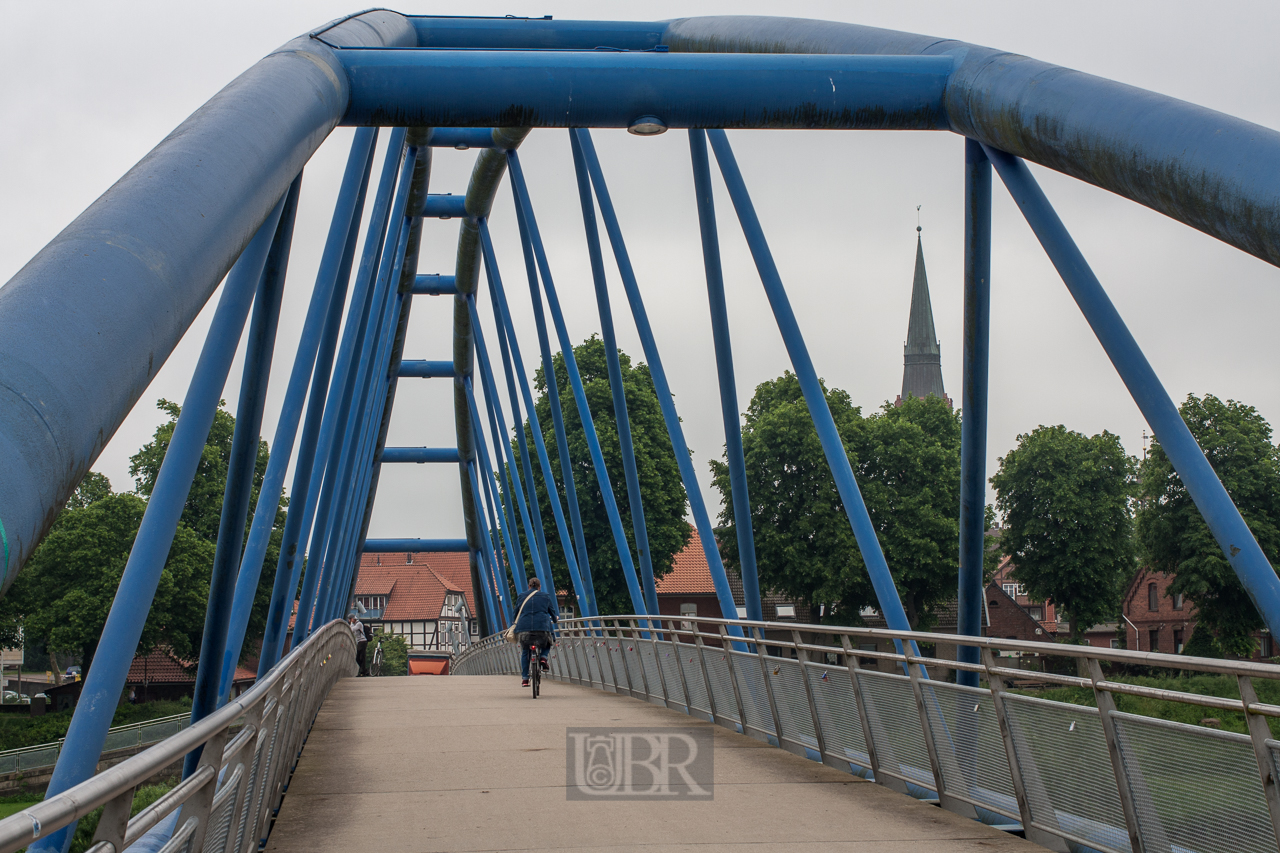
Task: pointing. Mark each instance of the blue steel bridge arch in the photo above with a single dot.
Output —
(141, 261)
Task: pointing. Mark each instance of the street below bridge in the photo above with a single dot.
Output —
(472, 763)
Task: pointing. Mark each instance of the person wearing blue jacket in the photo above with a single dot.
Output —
(538, 618)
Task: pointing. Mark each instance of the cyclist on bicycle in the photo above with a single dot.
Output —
(538, 617)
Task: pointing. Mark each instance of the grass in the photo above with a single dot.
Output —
(1204, 685)
(19, 731)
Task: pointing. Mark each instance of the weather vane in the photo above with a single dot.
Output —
(918, 218)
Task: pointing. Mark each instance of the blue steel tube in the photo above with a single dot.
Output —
(634, 498)
(724, 368)
(486, 550)
(553, 396)
(238, 490)
(78, 759)
(1225, 522)
(539, 445)
(534, 239)
(701, 518)
(352, 356)
(832, 446)
(339, 248)
(515, 484)
(973, 400)
(504, 600)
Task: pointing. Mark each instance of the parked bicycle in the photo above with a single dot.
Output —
(375, 665)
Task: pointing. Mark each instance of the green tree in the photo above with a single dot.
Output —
(202, 511)
(907, 462)
(94, 487)
(1174, 537)
(659, 476)
(395, 653)
(1068, 526)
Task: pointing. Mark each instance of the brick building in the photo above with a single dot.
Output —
(687, 590)
(1157, 620)
(425, 598)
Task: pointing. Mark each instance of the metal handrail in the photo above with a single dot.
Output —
(953, 729)
(276, 712)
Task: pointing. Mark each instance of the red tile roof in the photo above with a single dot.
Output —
(163, 667)
(416, 589)
(689, 573)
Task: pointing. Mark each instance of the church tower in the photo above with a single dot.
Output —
(922, 357)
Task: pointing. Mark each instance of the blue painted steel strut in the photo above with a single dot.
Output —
(413, 546)
(339, 396)
(832, 446)
(486, 550)
(540, 447)
(335, 267)
(78, 758)
(973, 401)
(1225, 522)
(728, 607)
(553, 396)
(634, 498)
(724, 368)
(575, 383)
(240, 467)
(500, 427)
(483, 452)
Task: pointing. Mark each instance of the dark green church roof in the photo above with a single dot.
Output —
(922, 357)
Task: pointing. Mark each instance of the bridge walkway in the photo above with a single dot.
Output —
(470, 763)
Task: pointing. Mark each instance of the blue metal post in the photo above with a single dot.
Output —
(544, 461)
(335, 266)
(553, 393)
(634, 498)
(238, 489)
(973, 401)
(533, 239)
(728, 607)
(78, 759)
(486, 551)
(832, 446)
(724, 368)
(338, 399)
(1225, 522)
(483, 452)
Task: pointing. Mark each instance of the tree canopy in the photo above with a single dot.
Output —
(1174, 537)
(907, 463)
(1068, 526)
(664, 495)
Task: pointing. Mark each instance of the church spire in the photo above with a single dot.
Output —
(922, 357)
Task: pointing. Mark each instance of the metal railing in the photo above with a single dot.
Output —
(1069, 776)
(225, 806)
(120, 737)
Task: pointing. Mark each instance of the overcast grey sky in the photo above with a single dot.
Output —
(92, 87)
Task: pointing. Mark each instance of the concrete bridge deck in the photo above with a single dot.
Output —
(473, 763)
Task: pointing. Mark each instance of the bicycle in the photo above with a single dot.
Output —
(375, 666)
(535, 668)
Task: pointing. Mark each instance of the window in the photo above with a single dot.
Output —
(1153, 639)
(1177, 601)
(1037, 612)
(742, 612)
(475, 628)
(1177, 641)
(1013, 590)
(687, 610)
(1115, 644)
(567, 612)
(1268, 649)
(874, 663)
(786, 611)
(1153, 598)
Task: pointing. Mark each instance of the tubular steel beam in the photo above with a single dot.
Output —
(610, 89)
(131, 273)
(413, 546)
(434, 285)
(1225, 522)
(444, 206)
(420, 455)
(426, 369)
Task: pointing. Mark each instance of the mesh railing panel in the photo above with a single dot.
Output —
(1066, 771)
(589, 664)
(669, 658)
(635, 670)
(751, 689)
(618, 665)
(645, 649)
(970, 748)
(721, 686)
(793, 703)
(1194, 788)
(215, 840)
(251, 791)
(693, 679)
(895, 726)
(838, 713)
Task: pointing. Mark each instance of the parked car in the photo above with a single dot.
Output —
(73, 672)
(12, 697)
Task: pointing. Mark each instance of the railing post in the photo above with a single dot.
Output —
(1260, 733)
(673, 639)
(655, 626)
(114, 822)
(733, 680)
(706, 676)
(918, 675)
(802, 657)
(997, 685)
(763, 655)
(1106, 707)
(635, 645)
(873, 756)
